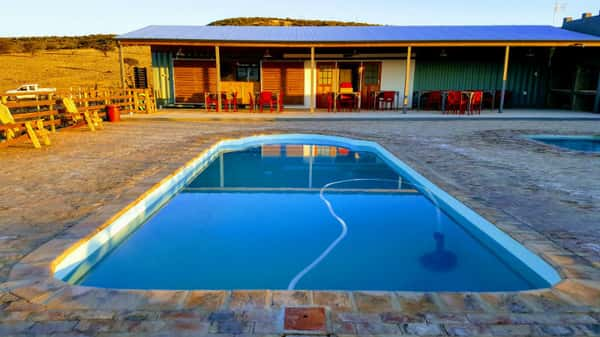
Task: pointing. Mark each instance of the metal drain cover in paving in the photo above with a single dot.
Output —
(305, 319)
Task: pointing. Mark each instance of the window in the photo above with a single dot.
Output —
(247, 72)
(325, 75)
(371, 74)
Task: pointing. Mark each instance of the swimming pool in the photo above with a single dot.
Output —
(301, 212)
(573, 143)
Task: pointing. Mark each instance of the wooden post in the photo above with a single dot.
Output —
(407, 80)
(121, 65)
(504, 79)
(218, 65)
(313, 80)
(50, 108)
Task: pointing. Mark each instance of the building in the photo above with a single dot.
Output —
(538, 66)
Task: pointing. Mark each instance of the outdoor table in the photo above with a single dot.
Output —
(275, 95)
(444, 94)
(337, 95)
(218, 108)
(396, 104)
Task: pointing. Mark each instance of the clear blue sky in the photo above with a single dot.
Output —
(78, 17)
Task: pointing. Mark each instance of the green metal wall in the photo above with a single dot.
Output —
(526, 81)
(162, 76)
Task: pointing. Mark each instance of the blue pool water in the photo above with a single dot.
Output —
(304, 216)
(574, 143)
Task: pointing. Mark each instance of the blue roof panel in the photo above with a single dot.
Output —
(357, 34)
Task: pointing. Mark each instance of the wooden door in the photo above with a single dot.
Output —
(325, 83)
(286, 78)
(371, 81)
(192, 79)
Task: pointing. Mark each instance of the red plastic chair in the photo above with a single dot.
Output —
(433, 101)
(210, 101)
(225, 102)
(251, 102)
(454, 102)
(346, 101)
(329, 97)
(476, 102)
(385, 100)
(266, 98)
(280, 102)
(233, 101)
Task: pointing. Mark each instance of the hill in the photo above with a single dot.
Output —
(264, 21)
(71, 61)
(68, 67)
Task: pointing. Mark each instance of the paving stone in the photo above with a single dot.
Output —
(8, 328)
(337, 301)
(590, 329)
(548, 301)
(344, 328)
(555, 330)
(466, 330)
(221, 316)
(268, 326)
(423, 329)
(446, 318)
(462, 302)
(376, 329)
(47, 328)
(232, 326)
(289, 298)
(417, 303)
(506, 303)
(511, 330)
(373, 302)
(248, 299)
(187, 326)
(357, 317)
(581, 291)
(205, 300)
(162, 300)
(95, 326)
(399, 317)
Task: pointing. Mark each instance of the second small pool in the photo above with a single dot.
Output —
(573, 143)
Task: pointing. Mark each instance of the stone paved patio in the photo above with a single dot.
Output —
(547, 199)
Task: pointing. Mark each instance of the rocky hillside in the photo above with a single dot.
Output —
(261, 21)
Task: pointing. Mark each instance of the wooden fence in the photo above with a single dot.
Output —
(48, 106)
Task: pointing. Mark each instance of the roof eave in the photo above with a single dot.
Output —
(308, 44)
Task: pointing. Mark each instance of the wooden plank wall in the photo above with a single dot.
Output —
(286, 78)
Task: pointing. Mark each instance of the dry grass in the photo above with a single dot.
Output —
(67, 68)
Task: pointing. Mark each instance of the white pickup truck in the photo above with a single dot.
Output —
(29, 91)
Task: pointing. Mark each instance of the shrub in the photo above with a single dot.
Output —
(34, 46)
(131, 61)
(7, 46)
(105, 46)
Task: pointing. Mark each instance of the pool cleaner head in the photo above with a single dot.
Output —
(440, 260)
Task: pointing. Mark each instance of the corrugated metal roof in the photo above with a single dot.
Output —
(357, 34)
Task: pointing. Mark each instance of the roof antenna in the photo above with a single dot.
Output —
(559, 7)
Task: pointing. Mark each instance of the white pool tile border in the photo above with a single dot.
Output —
(136, 214)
